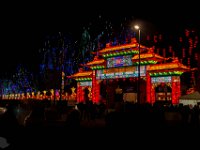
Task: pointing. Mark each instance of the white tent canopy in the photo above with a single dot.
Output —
(190, 99)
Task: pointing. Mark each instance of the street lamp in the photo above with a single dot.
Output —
(138, 86)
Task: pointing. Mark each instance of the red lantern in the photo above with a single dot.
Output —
(170, 49)
(160, 37)
(188, 61)
(162, 84)
(180, 39)
(164, 52)
(148, 37)
(187, 32)
(157, 50)
(155, 39)
(173, 54)
(183, 52)
(196, 56)
(111, 80)
(190, 50)
(104, 82)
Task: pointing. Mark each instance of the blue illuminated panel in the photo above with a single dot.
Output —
(86, 83)
(161, 79)
(123, 72)
(119, 61)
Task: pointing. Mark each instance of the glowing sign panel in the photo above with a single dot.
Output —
(86, 83)
(119, 61)
(123, 72)
(161, 79)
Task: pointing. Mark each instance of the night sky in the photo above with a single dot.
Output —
(23, 30)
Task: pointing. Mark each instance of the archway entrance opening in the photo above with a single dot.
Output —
(163, 93)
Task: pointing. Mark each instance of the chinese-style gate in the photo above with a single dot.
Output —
(121, 61)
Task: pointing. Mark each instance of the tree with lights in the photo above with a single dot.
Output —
(84, 46)
(24, 80)
(58, 58)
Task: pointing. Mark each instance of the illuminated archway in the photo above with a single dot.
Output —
(163, 92)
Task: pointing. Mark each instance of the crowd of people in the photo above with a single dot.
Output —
(61, 119)
(39, 114)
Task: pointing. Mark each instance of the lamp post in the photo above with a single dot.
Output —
(138, 86)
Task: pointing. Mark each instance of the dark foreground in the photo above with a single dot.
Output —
(101, 138)
(127, 126)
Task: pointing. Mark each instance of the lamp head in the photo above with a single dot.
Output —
(137, 27)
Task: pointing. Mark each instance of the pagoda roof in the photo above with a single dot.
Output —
(81, 74)
(96, 61)
(110, 48)
(168, 66)
(148, 56)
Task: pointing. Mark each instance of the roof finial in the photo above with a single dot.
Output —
(151, 50)
(133, 40)
(175, 59)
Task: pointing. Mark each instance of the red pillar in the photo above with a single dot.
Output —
(148, 87)
(173, 92)
(176, 89)
(94, 97)
(80, 93)
(152, 94)
(97, 92)
(95, 88)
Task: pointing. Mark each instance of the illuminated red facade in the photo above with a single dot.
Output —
(159, 77)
